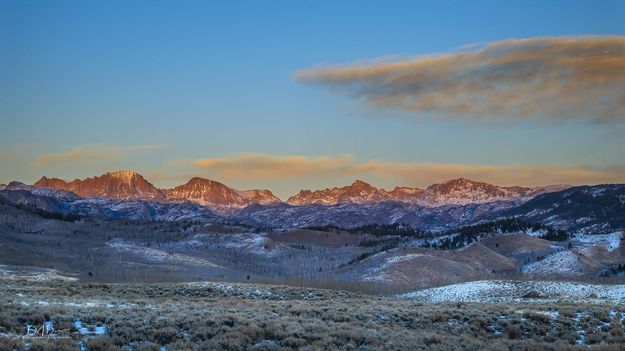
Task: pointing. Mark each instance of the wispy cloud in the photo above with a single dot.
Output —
(146, 147)
(259, 166)
(254, 166)
(507, 174)
(91, 153)
(562, 78)
(6, 154)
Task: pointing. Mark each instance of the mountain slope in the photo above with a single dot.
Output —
(590, 209)
(283, 215)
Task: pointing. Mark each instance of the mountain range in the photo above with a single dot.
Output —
(458, 202)
(459, 191)
(127, 185)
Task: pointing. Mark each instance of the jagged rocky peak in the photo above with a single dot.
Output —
(358, 192)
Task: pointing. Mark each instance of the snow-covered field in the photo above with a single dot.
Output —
(157, 255)
(381, 273)
(610, 241)
(32, 274)
(257, 244)
(513, 291)
(563, 263)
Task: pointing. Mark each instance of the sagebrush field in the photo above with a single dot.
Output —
(208, 316)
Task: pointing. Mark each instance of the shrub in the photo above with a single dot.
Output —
(102, 343)
(432, 339)
(10, 344)
(53, 344)
(513, 331)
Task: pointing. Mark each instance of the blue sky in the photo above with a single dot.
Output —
(213, 80)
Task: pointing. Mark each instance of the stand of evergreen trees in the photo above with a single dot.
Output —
(397, 229)
(46, 214)
(463, 236)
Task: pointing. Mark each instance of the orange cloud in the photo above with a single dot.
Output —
(254, 166)
(87, 153)
(562, 78)
(257, 165)
(510, 174)
(75, 155)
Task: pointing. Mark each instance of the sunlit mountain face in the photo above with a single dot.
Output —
(128, 185)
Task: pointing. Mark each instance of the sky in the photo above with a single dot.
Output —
(291, 95)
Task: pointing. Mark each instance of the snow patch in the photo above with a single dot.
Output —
(32, 275)
(610, 241)
(157, 255)
(565, 263)
(513, 291)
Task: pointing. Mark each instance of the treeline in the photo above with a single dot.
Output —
(405, 230)
(397, 229)
(513, 225)
(463, 236)
(30, 208)
(615, 270)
